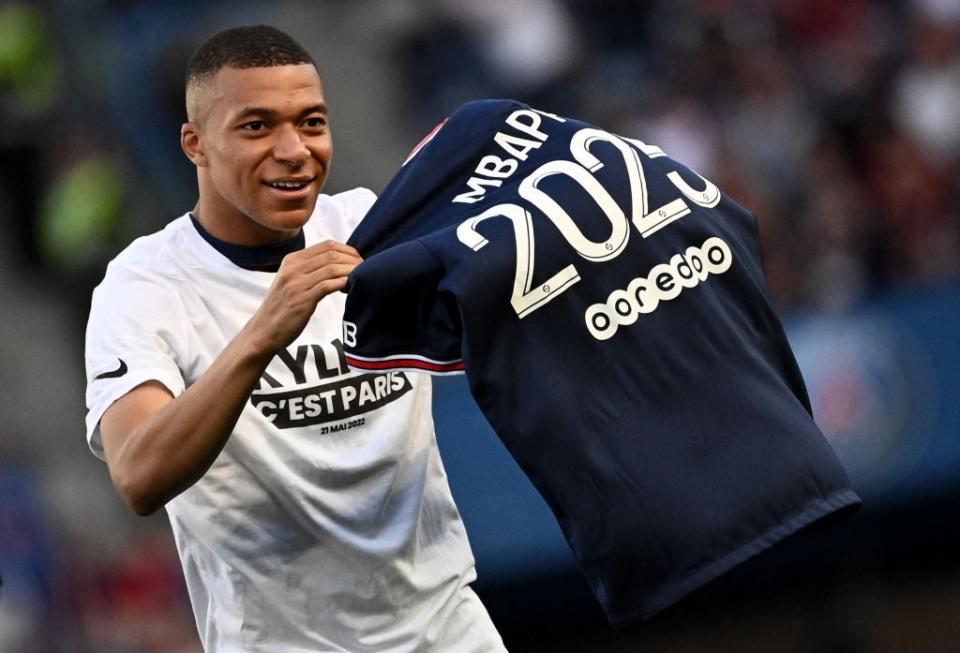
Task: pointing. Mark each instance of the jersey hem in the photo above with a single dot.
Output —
(702, 576)
(405, 363)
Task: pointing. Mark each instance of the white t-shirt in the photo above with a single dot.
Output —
(326, 523)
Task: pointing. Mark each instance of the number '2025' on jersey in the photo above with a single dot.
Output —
(609, 308)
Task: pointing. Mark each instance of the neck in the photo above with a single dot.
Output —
(260, 258)
(229, 224)
(243, 231)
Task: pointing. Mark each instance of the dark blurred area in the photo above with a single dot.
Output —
(837, 122)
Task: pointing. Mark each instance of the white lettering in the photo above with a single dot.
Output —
(328, 399)
(494, 166)
(366, 394)
(476, 184)
(516, 146)
(493, 169)
(708, 197)
(347, 394)
(664, 282)
(349, 334)
(588, 249)
(525, 298)
(295, 407)
(516, 121)
(312, 405)
(380, 384)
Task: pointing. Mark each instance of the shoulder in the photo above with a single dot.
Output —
(336, 216)
(156, 251)
(156, 259)
(141, 301)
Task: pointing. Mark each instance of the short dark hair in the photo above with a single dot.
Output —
(253, 46)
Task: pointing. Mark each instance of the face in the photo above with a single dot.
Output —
(261, 142)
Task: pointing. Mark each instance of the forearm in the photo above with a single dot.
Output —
(174, 446)
(157, 446)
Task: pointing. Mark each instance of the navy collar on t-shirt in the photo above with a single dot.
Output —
(259, 258)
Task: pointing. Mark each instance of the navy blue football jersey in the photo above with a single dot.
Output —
(608, 306)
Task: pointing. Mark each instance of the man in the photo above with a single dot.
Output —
(309, 505)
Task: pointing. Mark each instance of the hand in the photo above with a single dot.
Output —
(304, 278)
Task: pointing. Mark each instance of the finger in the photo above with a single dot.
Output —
(328, 286)
(320, 258)
(331, 246)
(333, 271)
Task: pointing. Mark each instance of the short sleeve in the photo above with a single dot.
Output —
(336, 216)
(135, 333)
(357, 202)
(398, 318)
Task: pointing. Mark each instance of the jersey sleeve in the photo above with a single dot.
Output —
(398, 317)
(354, 204)
(135, 333)
(336, 216)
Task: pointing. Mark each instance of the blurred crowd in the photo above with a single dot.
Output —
(836, 122)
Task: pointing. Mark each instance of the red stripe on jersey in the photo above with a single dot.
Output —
(415, 363)
(426, 139)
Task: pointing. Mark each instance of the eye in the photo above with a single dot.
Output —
(315, 122)
(253, 125)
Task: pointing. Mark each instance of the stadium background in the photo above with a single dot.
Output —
(837, 122)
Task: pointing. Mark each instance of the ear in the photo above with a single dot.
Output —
(192, 144)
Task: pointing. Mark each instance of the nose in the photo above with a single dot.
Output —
(289, 146)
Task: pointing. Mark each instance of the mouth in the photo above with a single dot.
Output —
(290, 186)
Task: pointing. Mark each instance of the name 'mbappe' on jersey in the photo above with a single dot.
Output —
(609, 308)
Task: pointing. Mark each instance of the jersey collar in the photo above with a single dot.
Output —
(259, 258)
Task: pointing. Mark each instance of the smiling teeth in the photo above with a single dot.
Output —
(287, 185)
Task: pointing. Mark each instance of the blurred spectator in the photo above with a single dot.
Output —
(927, 95)
(529, 44)
(29, 65)
(80, 214)
(136, 602)
(684, 128)
(784, 105)
(839, 232)
(26, 563)
(464, 50)
(791, 106)
(30, 85)
(916, 200)
(770, 128)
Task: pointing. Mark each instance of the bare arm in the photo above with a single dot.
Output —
(156, 446)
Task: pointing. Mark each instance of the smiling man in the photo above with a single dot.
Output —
(309, 505)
